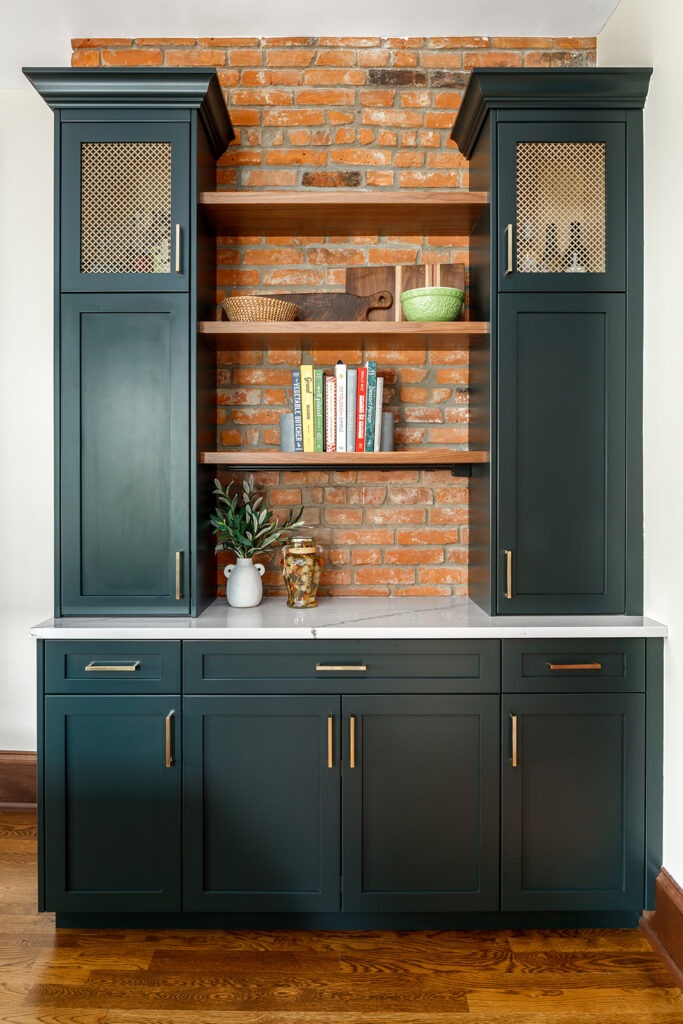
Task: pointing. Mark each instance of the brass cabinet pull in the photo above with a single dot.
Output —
(508, 237)
(513, 723)
(178, 240)
(330, 747)
(508, 574)
(178, 575)
(352, 741)
(95, 666)
(340, 668)
(587, 666)
(169, 739)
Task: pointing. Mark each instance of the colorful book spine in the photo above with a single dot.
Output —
(351, 391)
(307, 406)
(296, 407)
(371, 406)
(361, 400)
(318, 411)
(340, 378)
(378, 414)
(330, 413)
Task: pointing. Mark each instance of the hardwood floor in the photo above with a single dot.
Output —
(208, 977)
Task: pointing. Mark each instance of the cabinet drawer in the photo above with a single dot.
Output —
(350, 666)
(573, 666)
(112, 667)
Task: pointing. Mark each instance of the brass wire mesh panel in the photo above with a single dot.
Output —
(126, 208)
(560, 184)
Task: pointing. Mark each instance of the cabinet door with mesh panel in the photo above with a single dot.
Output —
(125, 206)
(562, 206)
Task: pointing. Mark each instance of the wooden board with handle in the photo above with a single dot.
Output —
(367, 280)
(339, 305)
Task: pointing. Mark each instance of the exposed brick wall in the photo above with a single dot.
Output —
(368, 113)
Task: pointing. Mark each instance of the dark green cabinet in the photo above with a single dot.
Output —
(125, 205)
(125, 460)
(420, 807)
(112, 803)
(562, 454)
(261, 795)
(573, 799)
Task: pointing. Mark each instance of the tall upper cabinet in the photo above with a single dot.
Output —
(133, 275)
(557, 396)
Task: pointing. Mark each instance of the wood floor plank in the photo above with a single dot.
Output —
(594, 1000)
(378, 1017)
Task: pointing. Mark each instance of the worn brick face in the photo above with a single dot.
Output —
(335, 113)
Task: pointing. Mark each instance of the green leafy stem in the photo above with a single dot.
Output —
(243, 525)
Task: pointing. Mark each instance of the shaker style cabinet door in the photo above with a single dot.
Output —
(124, 488)
(561, 455)
(261, 803)
(112, 803)
(573, 802)
(125, 206)
(562, 206)
(420, 803)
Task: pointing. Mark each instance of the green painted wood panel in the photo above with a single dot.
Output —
(261, 805)
(133, 213)
(112, 807)
(124, 453)
(420, 807)
(573, 808)
(112, 666)
(562, 454)
(611, 135)
(544, 666)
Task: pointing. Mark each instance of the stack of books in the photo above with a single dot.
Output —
(337, 410)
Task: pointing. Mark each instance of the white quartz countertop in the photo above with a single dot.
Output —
(338, 618)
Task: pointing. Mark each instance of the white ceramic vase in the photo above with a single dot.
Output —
(244, 589)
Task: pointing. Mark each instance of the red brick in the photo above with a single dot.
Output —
(414, 556)
(261, 97)
(366, 556)
(293, 277)
(395, 516)
(334, 76)
(244, 58)
(442, 60)
(421, 591)
(206, 58)
(270, 179)
(340, 117)
(407, 538)
(381, 179)
(427, 179)
(412, 394)
(229, 41)
(306, 137)
(414, 159)
(253, 76)
(367, 495)
(323, 257)
(405, 60)
(307, 157)
(384, 574)
(287, 118)
(131, 58)
(343, 517)
(335, 58)
(285, 496)
(376, 97)
(98, 41)
(445, 575)
(85, 59)
(522, 42)
(458, 42)
(354, 537)
(290, 57)
(231, 438)
(575, 42)
(370, 157)
(373, 58)
(350, 41)
(411, 495)
(263, 377)
(497, 59)
(396, 118)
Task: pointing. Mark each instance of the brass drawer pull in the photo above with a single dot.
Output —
(178, 575)
(513, 723)
(178, 240)
(340, 668)
(588, 666)
(352, 741)
(170, 761)
(508, 238)
(330, 747)
(508, 574)
(95, 666)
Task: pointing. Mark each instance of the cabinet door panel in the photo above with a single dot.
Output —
(261, 804)
(125, 188)
(573, 807)
(112, 807)
(125, 453)
(561, 454)
(420, 805)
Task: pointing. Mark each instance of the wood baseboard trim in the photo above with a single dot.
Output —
(18, 779)
(663, 926)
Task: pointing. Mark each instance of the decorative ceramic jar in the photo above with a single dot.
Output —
(302, 561)
(244, 589)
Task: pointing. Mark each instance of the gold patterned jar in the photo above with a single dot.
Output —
(302, 560)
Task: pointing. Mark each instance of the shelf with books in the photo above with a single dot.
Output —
(462, 332)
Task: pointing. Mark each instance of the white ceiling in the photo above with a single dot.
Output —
(37, 33)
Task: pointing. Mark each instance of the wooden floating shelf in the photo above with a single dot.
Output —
(459, 331)
(343, 212)
(420, 458)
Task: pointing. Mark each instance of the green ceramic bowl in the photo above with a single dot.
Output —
(432, 303)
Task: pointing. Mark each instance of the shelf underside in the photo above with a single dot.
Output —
(419, 458)
(459, 331)
(446, 213)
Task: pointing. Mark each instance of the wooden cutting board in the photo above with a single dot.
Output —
(339, 305)
(368, 280)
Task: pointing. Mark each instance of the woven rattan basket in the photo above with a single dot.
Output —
(259, 307)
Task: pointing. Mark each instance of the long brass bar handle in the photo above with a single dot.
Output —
(588, 666)
(178, 575)
(170, 761)
(178, 242)
(330, 743)
(513, 722)
(508, 238)
(508, 574)
(352, 741)
(95, 666)
(340, 668)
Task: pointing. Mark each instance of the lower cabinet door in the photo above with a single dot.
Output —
(573, 802)
(261, 803)
(420, 803)
(112, 803)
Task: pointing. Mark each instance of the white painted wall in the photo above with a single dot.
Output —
(25, 402)
(649, 35)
